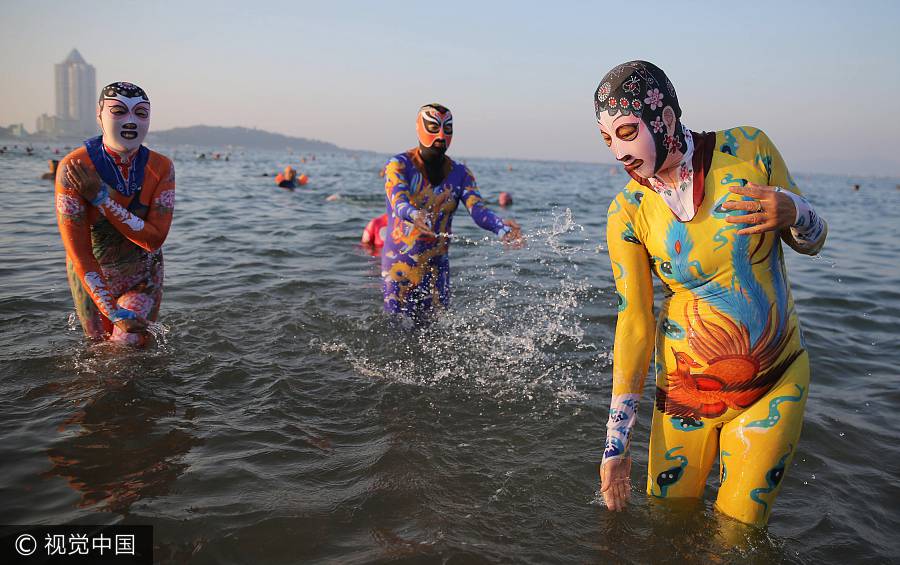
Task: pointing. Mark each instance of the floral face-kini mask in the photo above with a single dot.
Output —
(639, 118)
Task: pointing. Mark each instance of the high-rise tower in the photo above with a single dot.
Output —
(76, 93)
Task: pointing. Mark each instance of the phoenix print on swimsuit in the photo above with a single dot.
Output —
(730, 298)
(739, 351)
(728, 348)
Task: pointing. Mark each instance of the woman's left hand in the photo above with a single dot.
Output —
(770, 210)
(84, 180)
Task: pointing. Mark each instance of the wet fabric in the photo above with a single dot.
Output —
(126, 179)
(113, 256)
(415, 267)
(727, 340)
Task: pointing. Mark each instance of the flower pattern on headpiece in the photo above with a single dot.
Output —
(654, 98)
(672, 143)
(631, 85)
(603, 92)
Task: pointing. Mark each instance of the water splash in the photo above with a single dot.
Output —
(508, 337)
(159, 332)
(72, 323)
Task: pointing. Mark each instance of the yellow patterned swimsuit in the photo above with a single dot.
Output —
(732, 373)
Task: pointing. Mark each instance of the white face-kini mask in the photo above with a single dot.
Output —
(124, 131)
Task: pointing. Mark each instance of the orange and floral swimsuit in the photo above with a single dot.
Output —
(113, 249)
(732, 373)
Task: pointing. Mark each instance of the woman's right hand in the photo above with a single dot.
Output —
(85, 181)
(615, 482)
(419, 218)
(132, 325)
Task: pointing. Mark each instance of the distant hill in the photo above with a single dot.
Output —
(256, 138)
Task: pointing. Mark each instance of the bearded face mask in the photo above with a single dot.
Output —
(124, 116)
(634, 92)
(434, 126)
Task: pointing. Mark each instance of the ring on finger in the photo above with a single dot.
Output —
(759, 206)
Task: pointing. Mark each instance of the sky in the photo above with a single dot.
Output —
(821, 78)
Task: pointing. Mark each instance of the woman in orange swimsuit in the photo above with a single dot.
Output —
(114, 204)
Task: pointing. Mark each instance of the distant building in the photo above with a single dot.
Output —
(76, 99)
(46, 124)
(76, 92)
(14, 130)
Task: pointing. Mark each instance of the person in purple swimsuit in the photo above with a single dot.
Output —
(423, 188)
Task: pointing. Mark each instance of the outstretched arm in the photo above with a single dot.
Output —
(634, 340)
(482, 215)
(148, 234)
(509, 230)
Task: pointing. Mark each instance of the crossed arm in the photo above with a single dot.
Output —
(78, 189)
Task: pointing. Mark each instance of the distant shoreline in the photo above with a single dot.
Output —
(217, 139)
(202, 136)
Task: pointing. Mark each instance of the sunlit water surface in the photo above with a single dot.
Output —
(280, 418)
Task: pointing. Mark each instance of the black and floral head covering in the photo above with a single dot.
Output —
(643, 90)
(116, 90)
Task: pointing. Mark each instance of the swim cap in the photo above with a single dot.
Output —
(434, 122)
(122, 91)
(642, 89)
(123, 130)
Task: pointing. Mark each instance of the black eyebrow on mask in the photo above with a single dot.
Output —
(624, 116)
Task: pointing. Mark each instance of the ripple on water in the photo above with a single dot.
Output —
(279, 417)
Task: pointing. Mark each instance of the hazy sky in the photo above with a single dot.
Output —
(822, 78)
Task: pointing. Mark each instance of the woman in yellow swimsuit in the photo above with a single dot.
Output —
(705, 212)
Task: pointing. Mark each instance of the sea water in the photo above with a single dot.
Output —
(278, 417)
